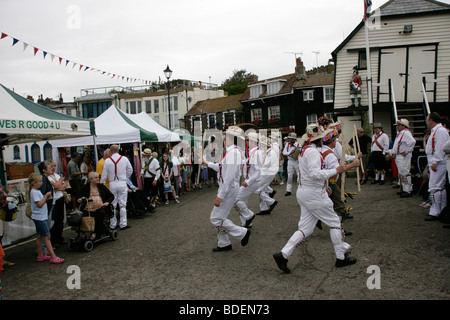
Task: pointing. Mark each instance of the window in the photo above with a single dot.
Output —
(156, 106)
(311, 118)
(134, 107)
(175, 123)
(69, 111)
(274, 112)
(212, 121)
(275, 86)
(256, 114)
(47, 151)
(308, 95)
(16, 153)
(156, 118)
(148, 106)
(35, 153)
(328, 94)
(174, 104)
(362, 60)
(93, 110)
(256, 91)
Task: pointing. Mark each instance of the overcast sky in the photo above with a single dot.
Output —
(199, 39)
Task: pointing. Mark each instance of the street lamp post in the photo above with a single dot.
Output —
(168, 74)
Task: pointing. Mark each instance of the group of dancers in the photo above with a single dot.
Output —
(312, 159)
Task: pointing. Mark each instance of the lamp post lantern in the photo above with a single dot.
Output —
(168, 74)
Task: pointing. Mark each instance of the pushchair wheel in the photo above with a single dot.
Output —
(114, 234)
(89, 245)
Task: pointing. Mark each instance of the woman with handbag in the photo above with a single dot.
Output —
(99, 198)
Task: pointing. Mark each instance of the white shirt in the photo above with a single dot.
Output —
(271, 163)
(330, 161)
(440, 136)
(124, 169)
(254, 161)
(383, 140)
(55, 178)
(310, 167)
(338, 150)
(406, 144)
(175, 164)
(228, 171)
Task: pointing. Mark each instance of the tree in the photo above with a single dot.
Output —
(238, 82)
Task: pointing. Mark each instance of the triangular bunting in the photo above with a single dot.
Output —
(52, 56)
(15, 41)
(60, 60)
(67, 61)
(45, 54)
(25, 46)
(35, 50)
(81, 66)
(4, 35)
(86, 68)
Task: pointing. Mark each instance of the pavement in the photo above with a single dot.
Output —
(167, 255)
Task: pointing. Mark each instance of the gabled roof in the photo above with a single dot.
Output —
(216, 105)
(398, 8)
(286, 88)
(314, 81)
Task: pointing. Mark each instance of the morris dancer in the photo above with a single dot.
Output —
(228, 175)
(289, 151)
(315, 204)
(380, 145)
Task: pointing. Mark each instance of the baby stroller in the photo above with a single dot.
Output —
(84, 231)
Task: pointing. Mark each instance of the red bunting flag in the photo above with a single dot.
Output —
(35, 50)
(60, 60)
(4, 35)
(81, 66)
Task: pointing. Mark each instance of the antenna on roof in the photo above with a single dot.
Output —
(295, 53)
(317, 60)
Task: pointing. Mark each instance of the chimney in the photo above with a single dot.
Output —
(60, 98)
(252, 79)
(300, 70)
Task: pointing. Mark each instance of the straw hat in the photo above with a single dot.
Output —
(377, 125)
(313, 132)
(252, 136)
(291, 135)
(147, 152)
(235, 131)
(335, 125)
(404, 122)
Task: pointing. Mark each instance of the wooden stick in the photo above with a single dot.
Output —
(357, 169)
(342, 163)
(359, 149)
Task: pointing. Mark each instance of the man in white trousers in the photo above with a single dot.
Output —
(437, 163)
(313, 197)
(118, 169)
(292, 167)
(252, 180)
(270, 167)
(228, 176)
(403, 147)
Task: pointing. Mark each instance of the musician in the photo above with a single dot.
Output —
(290, 151)
(380, 145)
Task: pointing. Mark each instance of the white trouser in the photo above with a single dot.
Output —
(120, 191)
(263, 192)
(436, 187)
(224, 226)
(314, 205)
(404, 165)
(242, 201)
(292, 168)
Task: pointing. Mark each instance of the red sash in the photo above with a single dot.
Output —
(376, 142)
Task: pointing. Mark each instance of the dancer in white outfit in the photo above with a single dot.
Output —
(313, 197)
(290, 152)
(252, 180)
(118, 169)
(228, 175)
(437, 163)
(269, 169)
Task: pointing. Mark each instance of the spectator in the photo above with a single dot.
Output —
(139, 199)
(44, 168)
(3, 202)
(176, 174)
(85, 168)
(74, 178)
(146, 174)
(59, 186)
(39, 216)
(118, 169)
(101, 163)
(166, 175)
(101, 198)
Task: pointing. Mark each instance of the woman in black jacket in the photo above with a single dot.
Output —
(99, 198)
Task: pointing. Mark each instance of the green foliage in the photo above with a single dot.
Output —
(238, 82)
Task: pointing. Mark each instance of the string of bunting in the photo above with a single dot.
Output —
(65, 62)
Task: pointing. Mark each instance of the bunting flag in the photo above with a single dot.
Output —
(81, 66)
(367, 8)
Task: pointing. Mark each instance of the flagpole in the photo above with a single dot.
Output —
(369, 73)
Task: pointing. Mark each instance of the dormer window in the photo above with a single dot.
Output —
(273, 87)
(256, 90)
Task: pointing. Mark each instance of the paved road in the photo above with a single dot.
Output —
(167, 256)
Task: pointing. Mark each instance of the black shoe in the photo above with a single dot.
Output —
(406, 195)
(273, 205)
(249, 222)
(126, 227)
(272, 194)
(287, 193)
(281, 262)
(375, 181)
(264, 212)
(431, 218)
(400, 192)
(347, 233)
(244, 241)
(396, 187)
(226, 248)
(345, 262)
(381, 182)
